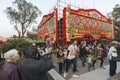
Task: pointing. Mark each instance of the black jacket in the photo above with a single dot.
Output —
(83, 52)
(32, 69)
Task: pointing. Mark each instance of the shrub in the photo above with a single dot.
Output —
(18, 44)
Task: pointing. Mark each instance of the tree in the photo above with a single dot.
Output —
(115, 15)
(23, 16)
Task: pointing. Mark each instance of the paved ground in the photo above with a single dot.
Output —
(98, 74)
(83, 71)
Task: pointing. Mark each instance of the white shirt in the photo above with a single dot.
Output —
(65, 53)
(72, 49)
(111, 50)
(48, 50)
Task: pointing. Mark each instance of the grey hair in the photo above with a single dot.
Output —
(11, 54)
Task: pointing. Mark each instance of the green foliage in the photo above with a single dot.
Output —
(22, 16)
(115, 15)
(18, 44)
(117, 36)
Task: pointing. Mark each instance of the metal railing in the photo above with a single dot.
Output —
(54, 75)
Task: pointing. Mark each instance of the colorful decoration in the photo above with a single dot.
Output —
(48, 26)
(82, 22)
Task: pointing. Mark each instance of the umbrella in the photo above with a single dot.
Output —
(30, 41)
(40, 41)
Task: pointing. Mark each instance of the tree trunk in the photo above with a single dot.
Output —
(19, 33)
(22, 30)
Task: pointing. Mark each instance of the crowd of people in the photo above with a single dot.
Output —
(38, 59)
(89, 53)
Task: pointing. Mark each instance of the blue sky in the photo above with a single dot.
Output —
(6, 30)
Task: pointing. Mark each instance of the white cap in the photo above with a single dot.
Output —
(115, 42)
(33, 44)
(11, 54)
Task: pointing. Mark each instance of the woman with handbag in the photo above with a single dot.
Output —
(112, 54)
(60, 60)
(98, 56)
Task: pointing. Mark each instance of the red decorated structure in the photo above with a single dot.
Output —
(79, 24)
(86, 23)
(48, 27)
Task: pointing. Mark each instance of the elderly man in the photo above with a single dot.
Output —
(10, 70)
(111, 55)
(32, 69)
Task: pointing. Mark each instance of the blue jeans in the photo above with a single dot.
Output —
(77, 59)
(83, 59)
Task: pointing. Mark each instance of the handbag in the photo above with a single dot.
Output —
(115, 57)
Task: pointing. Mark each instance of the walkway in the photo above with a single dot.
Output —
(98, 74)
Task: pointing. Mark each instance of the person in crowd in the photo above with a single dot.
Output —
(41, 53)
(89, 60)
(10, 70)
(83, 52)
(48, 51)
(33, 46)
(71, 57)
(107, 47)
(60, 59)
(32, 69)
(65, 60)
(113, 53)
(98, 55)
(65, 52)
(104, 51)
(94, 46)
(88, 48)
(77, 57)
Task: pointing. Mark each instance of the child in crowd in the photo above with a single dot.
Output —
(90, 59)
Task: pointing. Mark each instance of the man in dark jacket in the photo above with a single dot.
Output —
(32, 69)
(83, 52)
